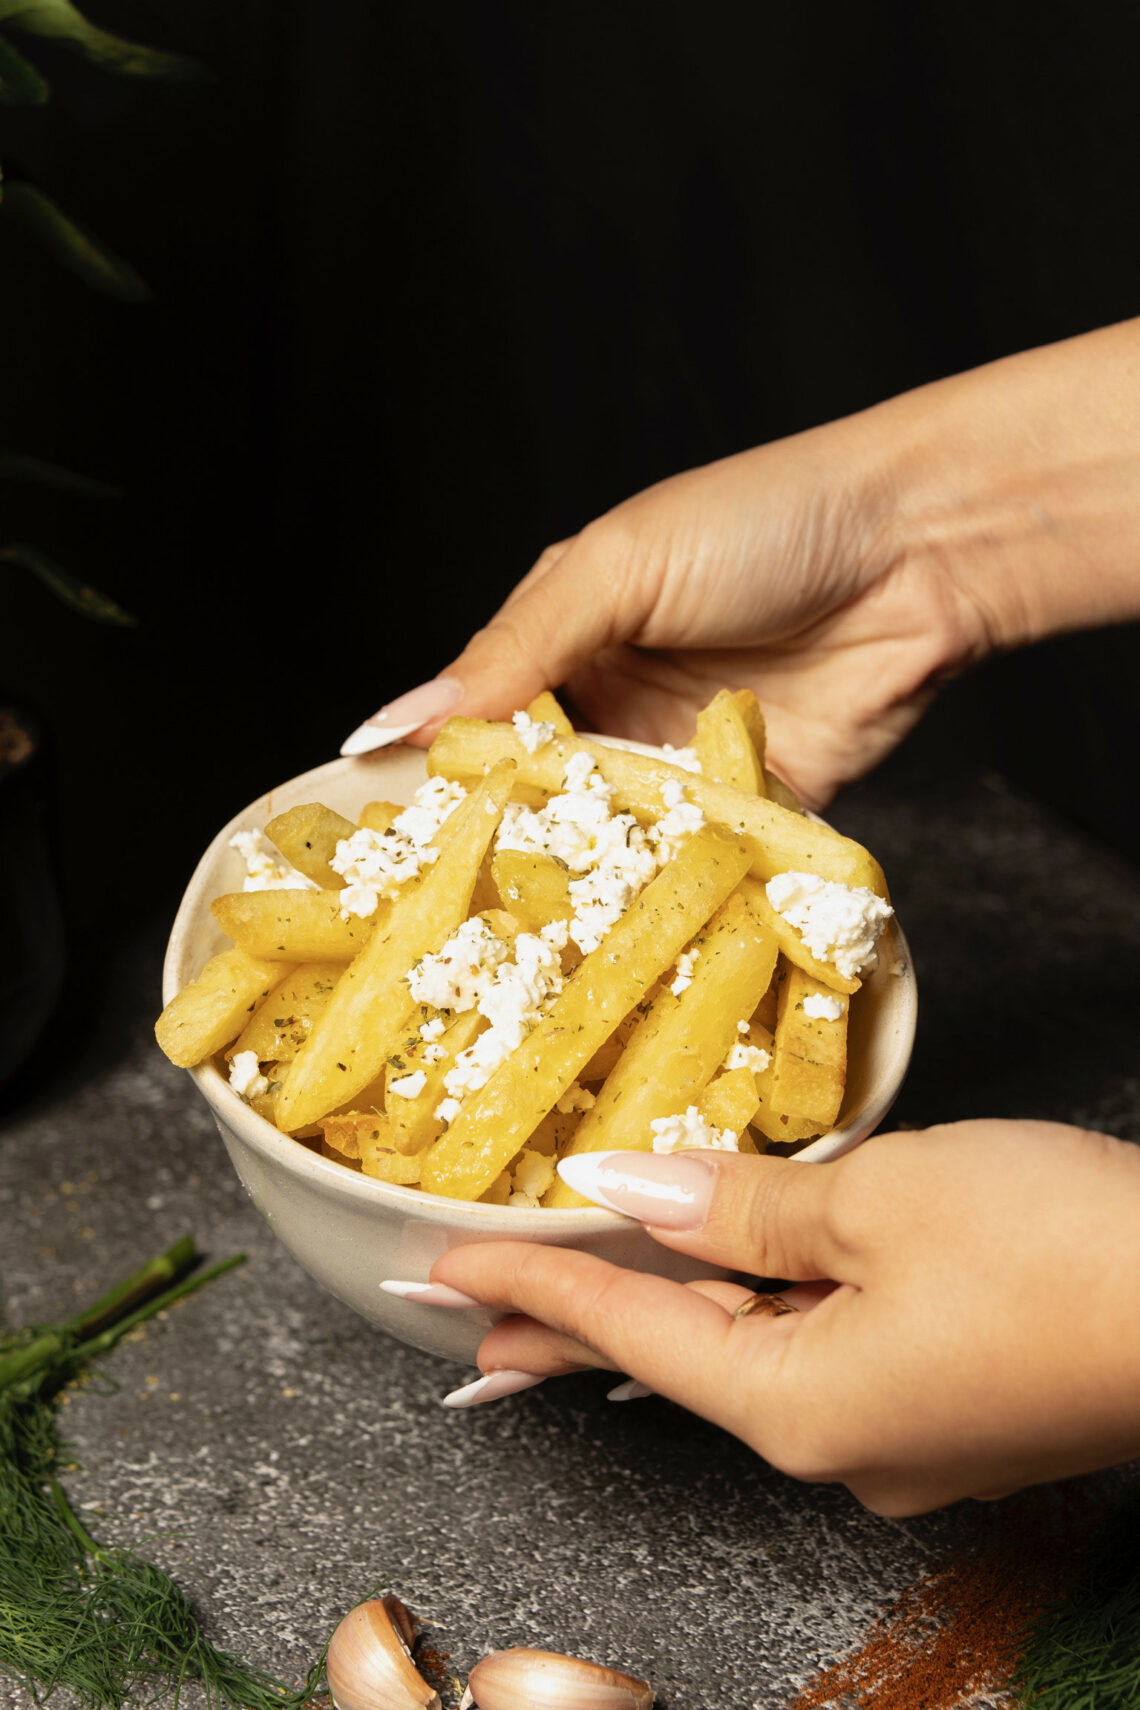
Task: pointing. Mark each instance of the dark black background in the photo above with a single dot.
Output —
(436, 283)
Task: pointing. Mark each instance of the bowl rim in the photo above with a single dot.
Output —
(332, 1179)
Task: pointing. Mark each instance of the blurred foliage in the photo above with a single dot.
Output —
(67, 241)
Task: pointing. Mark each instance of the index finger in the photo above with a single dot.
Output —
(679, 1342)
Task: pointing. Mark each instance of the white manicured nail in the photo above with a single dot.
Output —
(630, 1390)
(429, 1293)
(403, 715)
(491, 1388)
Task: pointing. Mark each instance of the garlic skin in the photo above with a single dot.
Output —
(523, 1679)
(369, 1663)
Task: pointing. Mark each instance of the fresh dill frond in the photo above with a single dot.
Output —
(1084, 1653)
(101, 1622)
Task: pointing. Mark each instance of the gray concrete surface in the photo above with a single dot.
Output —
(282, 1458)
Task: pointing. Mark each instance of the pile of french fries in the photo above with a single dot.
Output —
(691, 1006)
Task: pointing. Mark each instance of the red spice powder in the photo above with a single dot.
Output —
(953, 1636)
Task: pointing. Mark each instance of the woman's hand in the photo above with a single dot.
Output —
(982, 1336)
(839, 574)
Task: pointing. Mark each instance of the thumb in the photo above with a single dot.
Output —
(768, 1216)
(575, 602)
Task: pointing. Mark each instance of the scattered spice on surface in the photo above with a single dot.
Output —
(951, 1640)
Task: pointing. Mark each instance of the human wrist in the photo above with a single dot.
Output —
(1014, 488)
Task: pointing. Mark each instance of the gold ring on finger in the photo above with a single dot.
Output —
(767, 1305)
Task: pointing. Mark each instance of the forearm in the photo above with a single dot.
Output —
(1020, 482)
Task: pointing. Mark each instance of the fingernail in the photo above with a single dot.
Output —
(400, 717)
(491, 1388)
(666, 1190)
(630, 1390)
(429, 1293)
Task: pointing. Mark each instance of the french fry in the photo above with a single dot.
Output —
(413, 1121)
(279, 1027)
(680, 1044)
(368, 1013)
(533, 887)
(330, 1152)
(774, 786)
(766, 1122)
(212, 1009)
(725, 746)
(495, 1121)
(307, 836)
(294, 926)
(730, 1100)
(379, 816)
(791, 942)
(809, 1062)
(544, 709)
(366, 1137)
(780, 840)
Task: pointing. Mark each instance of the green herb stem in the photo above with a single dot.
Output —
(157, 1273)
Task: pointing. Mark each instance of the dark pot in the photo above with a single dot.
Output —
(32, 951)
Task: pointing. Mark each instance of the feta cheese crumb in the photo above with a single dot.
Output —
(375, 864)
(246, 1077)
(823, 1008)
(434, 1053)
(433, 1028)
(533, 733)
(686, 757)
(265, 869)
(838, 923)
(409, 1086)
(532, 1174)
(742, 1026)
(575, 1098)
(513, 1001)
(457, 976)
(447, 1110)
(748, 1057)
(678, 1133)
(686, 962)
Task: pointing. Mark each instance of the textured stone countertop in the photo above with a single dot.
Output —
(282, 1458)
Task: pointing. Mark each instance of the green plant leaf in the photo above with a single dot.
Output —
(15, 467)
(60, 21)
(20, 83)
(72, 246)
(80, 596)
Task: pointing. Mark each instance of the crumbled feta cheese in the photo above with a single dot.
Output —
(686, 962)
(680, 819)
(823, 1008)
(678, 1133)
(686, 757)
(533, 733)
(611, 854)
(457, 975)
(742, 1026)
(246, 1077)
(513, 1002)
(433, 1028)
(838, 923)
(523, 1201)
(532, 1174)
(409, 1086)
(556, 933)
(434, 1053)
(447, 1110)
(265, 869)
(375, 864)
(575, 1098)
(748, 1057)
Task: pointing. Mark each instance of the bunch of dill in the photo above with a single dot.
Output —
(1084, 1654)
(102, 1622)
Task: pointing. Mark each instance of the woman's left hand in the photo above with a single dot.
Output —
(981, 1334)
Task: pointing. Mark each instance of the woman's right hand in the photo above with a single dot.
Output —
(839, 574)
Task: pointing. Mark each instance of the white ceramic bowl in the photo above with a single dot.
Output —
(349, 1231)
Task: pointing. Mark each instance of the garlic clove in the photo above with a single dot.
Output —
(523, 1679)
(369, 1662)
